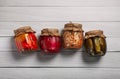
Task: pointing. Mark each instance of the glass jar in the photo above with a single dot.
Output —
(50, 41)
(95, 43)
(25, 39)
(72, 35)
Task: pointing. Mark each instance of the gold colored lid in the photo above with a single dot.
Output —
(50, 32)
(94, 33)
(73, 27)
(22, 30)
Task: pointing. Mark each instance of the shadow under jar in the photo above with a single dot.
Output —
(50, 41)
(95, 43)
(72, 36)
(25, 39)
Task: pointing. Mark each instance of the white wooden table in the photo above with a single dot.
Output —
(39, 14)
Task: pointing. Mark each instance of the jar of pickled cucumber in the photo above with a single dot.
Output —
(95, 43)
(50, 41)
(25, 39)
(72, 35)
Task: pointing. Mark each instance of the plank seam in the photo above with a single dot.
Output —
(59, 67)
(53, 6)
(58, 21)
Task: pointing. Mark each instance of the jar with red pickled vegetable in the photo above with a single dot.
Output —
(72, 35)
(25, 39)
(95, 43)
(50, 41)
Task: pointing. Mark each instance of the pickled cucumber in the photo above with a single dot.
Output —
(102, 45)
(97, 46)
(89, 45)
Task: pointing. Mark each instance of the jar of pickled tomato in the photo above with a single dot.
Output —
(95, 43)
(25, 39)
(72, 35)
(50, 41)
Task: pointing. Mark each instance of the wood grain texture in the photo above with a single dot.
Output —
(9, 45)
(59, 3)
(59, 73)
(68, 64)
(111, 29)
(63, 59)
(59, 13)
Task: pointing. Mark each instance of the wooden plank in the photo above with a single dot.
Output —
(59, 13)
(59, 3)
(9, 45)
(111, 29)
(63, 59)
(59, 73)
